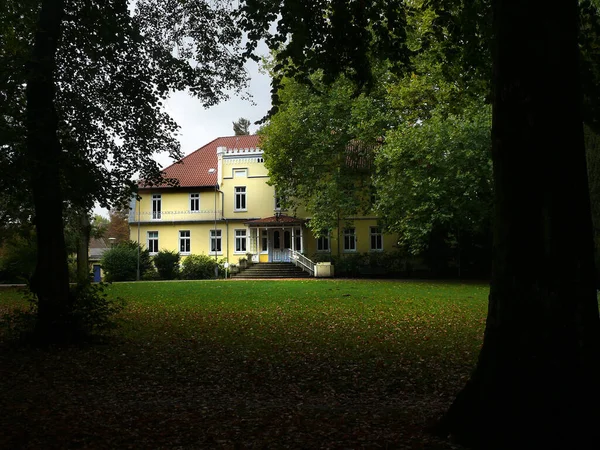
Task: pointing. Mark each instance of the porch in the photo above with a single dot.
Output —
(274, 239)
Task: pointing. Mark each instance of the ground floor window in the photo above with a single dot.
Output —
(153, 242)
(323, 241)
(215, 241)
(240, 241)
(298, 240)
(349, 239)
(264, 239)
(184, 241)
(376, 239)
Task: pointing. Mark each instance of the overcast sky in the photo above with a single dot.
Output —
(199, 126)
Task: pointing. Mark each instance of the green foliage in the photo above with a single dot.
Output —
(92, 314)
(167, 264)
(434, 176)
(18, 257)
(120, 262)
(319, 147)
(241, 127)
(200, 267)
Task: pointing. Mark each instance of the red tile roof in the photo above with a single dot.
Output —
(276, 220)
(192, 170)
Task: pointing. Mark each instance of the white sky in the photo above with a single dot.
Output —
(199, 126)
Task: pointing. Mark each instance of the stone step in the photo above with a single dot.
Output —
(272, 270)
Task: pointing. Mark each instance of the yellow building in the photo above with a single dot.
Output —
(224, 207)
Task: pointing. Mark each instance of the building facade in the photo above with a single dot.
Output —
(223, 206)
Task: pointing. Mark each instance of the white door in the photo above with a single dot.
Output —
(275, 246)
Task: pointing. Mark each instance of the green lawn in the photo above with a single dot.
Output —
(252, 364)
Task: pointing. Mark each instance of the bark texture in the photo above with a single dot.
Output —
(51, 280)
(535, 382)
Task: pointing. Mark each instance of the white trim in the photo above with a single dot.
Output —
(219, 237)
(371, 234)
(190, 199)
(243, 239)
(243, 195)
(154, 238)
(353, 234)
(185, 238)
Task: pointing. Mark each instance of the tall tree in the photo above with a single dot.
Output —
(535, 384)
(538, 367)
(241, 127)
(94, 70)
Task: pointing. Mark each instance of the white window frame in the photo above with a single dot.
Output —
(297, 237)
(241, 241)
(375, 233)
(350, 238)
(152, 248)
(156, 206)
(194, 202)
(239, 173)
(217, 240)
(241, 193)
(324, 241)
(183, 239)
(264, 241)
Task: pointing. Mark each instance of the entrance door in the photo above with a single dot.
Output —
(275, 246)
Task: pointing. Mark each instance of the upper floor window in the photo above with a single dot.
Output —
(153, 242)
(240, 198)
(156, 206)
(184, 241)
(323, 242)
(240, 241)
(376, 239)
(349, 239)
(240, 173)
(194, 202)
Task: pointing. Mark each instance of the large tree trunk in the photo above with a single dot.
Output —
(51, 279)
(535, 384)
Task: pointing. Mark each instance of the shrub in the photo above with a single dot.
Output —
(92, 314)
(199, 267)
(18, 258)
(120, 262)
(167, 264)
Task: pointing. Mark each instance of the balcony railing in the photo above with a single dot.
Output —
(175, 216)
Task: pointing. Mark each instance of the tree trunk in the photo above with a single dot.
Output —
(535, 381)
(83, 264)
(51, 279)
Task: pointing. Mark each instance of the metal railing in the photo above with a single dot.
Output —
(174, 216)
(299, 260)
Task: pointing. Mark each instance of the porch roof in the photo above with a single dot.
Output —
(274, 221)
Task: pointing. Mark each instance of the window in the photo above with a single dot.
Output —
(215, 241)
(276, 240)
(240, 241)
(298, 240)
(194, 202)
(349, 239)
(240, 173)
(287, 239)
(153, 242)
(323, 241)
(376, 239)
(184, 241)
(156, 206)
(264, 241)
(240, 198)
(277, 203)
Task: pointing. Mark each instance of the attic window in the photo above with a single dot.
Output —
(212, 170)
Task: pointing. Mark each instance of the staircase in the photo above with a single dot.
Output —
(272, 270)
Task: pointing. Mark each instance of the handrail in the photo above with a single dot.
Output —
(299, 260)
